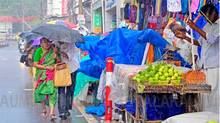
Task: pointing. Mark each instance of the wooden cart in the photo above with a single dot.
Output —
(191, 93)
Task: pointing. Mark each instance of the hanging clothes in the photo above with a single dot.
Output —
(133, 14)
(201, 4)
(147, 11)
(174, 5)
(158, 7)
(163, 11)
(184, 4)
(138, 11)
(127, 11)
(194, 5)
(154, 5)
(141, 15)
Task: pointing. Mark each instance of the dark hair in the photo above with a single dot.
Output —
(208, 9)
(44, 39)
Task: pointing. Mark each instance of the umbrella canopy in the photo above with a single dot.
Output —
(57, 33)
(64, 23)
(36, 42)
(31, 36)
(24, 34)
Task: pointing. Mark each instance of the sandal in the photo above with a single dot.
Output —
(44, 113)
(53, 117)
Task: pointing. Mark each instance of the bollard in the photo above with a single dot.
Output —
(108, 102)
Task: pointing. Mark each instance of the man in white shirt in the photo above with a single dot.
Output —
(210, 63)
(210, 53)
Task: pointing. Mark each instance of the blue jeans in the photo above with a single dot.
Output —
(65, 98)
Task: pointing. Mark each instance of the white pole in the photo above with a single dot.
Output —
(192, 41)
(91, 9)
(103, 16)
(145, 53)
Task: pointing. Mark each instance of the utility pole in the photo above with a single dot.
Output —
(70, 10)
(80, 7)
(80, 17)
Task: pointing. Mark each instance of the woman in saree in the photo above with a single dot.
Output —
(45, 92)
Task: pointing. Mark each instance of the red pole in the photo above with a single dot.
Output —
(108, 102)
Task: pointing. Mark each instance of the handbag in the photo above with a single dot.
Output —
(62, 77)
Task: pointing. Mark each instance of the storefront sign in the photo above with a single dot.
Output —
(97, 22)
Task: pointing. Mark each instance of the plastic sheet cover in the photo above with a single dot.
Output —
(119, 85)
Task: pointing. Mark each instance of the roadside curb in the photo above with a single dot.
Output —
(89, 118)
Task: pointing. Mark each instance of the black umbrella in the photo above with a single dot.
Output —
(31, 36)
(24, 34)
(57, 33)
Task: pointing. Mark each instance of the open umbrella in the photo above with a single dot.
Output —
(24, 34)
(31, 36)
(28, 36)
(57, 33)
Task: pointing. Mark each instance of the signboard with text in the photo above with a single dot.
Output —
(97, 22)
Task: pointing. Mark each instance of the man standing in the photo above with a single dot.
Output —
(209, 41)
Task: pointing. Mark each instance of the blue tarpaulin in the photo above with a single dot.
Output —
(123, 45)
(90, 42)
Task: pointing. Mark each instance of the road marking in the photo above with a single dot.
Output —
(28, 89)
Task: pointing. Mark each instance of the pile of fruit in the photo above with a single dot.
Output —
(159, 74)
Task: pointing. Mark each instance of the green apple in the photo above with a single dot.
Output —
(162, 78)
(166, 74)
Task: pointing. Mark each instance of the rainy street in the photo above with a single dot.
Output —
(109, 61)
(16, 101)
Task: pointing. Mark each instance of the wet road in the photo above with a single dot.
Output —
(16, 101)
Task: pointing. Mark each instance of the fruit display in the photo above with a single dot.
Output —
(159, 74)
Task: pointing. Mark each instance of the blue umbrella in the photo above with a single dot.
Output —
(57, 33)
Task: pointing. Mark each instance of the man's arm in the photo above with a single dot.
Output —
(183, 35)
(196, 28)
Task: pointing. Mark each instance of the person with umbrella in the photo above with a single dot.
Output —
(44, 91)
(69, 55)
(61, 34)
(209, 41)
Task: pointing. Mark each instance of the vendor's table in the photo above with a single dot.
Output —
(193, 104)
(122, 82)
